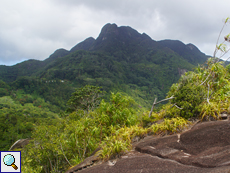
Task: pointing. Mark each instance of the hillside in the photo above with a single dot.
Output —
(120, 59)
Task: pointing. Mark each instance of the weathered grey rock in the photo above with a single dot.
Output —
(19, 144)
(224, 116)
(86, 163)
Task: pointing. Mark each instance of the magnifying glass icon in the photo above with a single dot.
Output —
(9, 160)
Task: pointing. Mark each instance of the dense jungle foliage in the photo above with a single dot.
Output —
(112, 125)
(59, 142)
(146, 77)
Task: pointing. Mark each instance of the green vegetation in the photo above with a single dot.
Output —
(112, 125)
(54, 92)
(208, 90)
(17, 121)
(65, 129)
(86, 98)
(76, 136)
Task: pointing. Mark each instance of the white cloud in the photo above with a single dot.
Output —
(35, 29)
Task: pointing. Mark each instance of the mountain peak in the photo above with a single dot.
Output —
(84, 45)
(113, 39)
(123, 32)
(190, 52)
(108, 29)
(58, 53)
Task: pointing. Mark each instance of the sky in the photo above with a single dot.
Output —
(34, 29)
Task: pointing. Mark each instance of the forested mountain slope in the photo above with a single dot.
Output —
(119, 59)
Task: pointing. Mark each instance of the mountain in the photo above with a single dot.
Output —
(190, 52)
(119, 59)
(115, 39)
(57, 54)
(26, 68)
(85, 45)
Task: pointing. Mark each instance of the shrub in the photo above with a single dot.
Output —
(170, 125)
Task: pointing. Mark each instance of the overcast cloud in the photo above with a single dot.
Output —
(35, 29)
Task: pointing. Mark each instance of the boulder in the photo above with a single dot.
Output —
(88, 162)
(19, 144)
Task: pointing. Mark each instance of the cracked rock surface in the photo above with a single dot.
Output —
(203, 148)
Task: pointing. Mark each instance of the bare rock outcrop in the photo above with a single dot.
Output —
(203, 148)
(20, 144)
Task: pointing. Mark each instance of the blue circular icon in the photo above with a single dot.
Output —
(8, 159)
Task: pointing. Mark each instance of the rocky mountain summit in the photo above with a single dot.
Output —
(113, 40)
(203, 148)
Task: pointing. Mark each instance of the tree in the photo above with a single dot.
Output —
(86, 98)
(4, 89)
